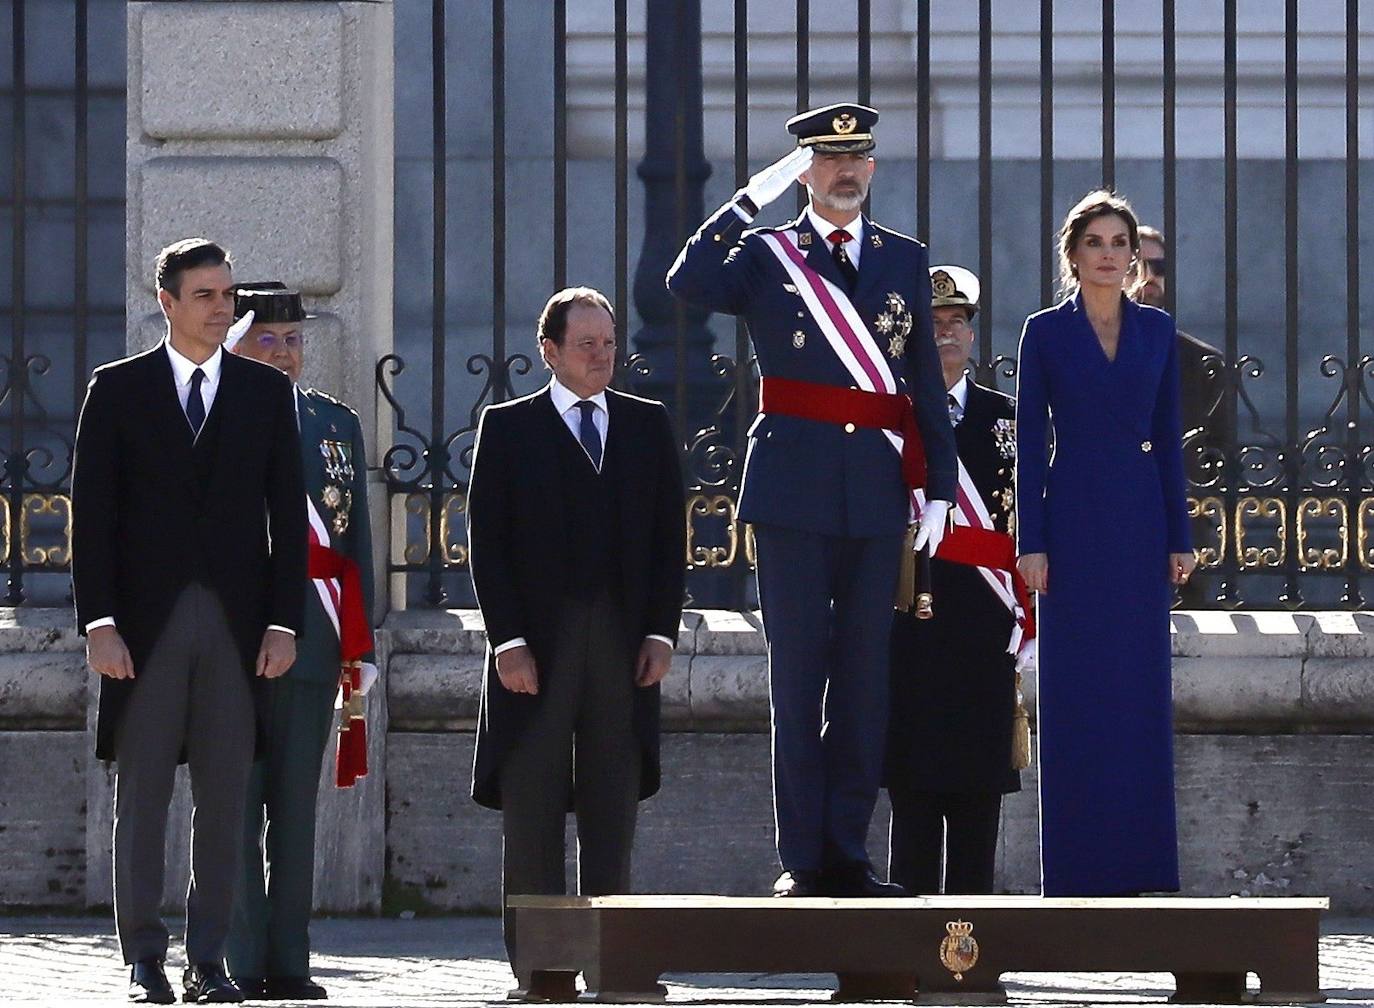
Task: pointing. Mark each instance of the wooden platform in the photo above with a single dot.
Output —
(902, 949)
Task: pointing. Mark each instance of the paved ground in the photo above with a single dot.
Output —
(373, 963)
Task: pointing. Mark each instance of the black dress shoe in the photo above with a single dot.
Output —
(856, 879)
(148, 983)
(798, 883)
(207, 983)
(292, 989)
(252, 988)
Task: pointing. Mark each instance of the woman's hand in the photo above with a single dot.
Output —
(1035, 571)
(1181, 567)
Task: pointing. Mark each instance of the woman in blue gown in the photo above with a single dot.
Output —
(1102, 534)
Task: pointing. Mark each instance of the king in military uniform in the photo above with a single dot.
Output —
(949, 755)
(269, 944)
(852, 440)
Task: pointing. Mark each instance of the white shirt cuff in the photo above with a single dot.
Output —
(665, 640)
(283, 629)
(741, 214)
(514, 642)
(103, 621)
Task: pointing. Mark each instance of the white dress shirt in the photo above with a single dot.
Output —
(565, 402)
(960, 394)
(183, 368)
(854, 247)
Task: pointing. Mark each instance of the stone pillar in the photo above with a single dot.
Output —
(268, 127)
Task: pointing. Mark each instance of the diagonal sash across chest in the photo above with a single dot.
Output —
(973, 541)
(877, 400)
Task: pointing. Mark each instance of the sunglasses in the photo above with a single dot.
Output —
(270, 342)
(1157, 266)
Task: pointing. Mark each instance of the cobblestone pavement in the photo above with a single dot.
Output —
(376, 963)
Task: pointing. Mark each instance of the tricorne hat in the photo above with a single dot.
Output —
(270, 301)
(845, 128)
(954, 287)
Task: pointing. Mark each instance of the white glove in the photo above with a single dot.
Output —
(932, 530)
(776, 179)
(236, 331)
(1028, 658)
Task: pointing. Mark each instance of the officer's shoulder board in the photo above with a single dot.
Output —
(325, 399)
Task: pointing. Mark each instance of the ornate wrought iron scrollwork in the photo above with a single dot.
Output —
(1212, 509)
(720, 506)
(1254, 557)
(37, 468)
(1326, 558)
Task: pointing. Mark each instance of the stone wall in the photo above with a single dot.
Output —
(1275, 758)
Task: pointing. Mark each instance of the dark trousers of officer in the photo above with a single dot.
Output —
(958, 829)
(827, 613)
(191, 695)
(270, 936)
(581, 737)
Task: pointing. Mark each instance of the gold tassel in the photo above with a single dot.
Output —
(906, 579)
(1020, 731)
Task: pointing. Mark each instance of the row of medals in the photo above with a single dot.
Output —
(338, 474)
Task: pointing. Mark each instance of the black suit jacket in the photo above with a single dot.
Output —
(519, 553)
(153, 511)
(953, 683)
(1200, 395)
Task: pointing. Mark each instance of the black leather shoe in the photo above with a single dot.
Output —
(207, 983)
(148, 983)
(292, 989)
(857, 879)
(798, 883)
(252, 988)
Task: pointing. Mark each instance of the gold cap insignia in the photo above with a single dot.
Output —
(942, 284)
(844, 124)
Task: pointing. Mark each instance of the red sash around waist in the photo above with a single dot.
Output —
(837, 405)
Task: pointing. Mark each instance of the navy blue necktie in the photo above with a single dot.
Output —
(588, 434)
(195, 405)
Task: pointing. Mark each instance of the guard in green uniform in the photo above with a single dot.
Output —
(269, 942)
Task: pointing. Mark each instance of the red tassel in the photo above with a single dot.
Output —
(358, 742)
(350, 757)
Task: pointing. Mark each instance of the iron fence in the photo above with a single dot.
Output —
(55, 321)
(1284, 502)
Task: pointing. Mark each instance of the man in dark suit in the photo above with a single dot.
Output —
(269, 942)
(1207, 429)
(578, 556)
(1200, 387)
(838, 309)
(187, 467)
(949, 751)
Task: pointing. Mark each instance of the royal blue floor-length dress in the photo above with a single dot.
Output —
(1108, 507)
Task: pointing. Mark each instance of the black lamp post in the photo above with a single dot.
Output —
(674, 341)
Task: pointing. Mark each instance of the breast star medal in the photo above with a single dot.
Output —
(895, 323)
(959, 949)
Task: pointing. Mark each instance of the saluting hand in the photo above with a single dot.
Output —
(1035, 571)
(766, 186)
(654, 661)
(107, 655)
(277, 654)
(516, 670)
